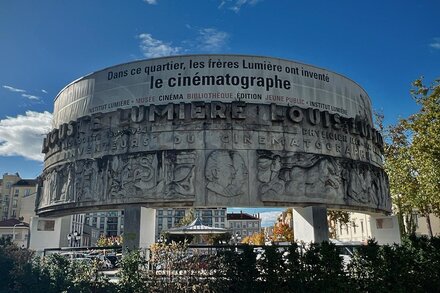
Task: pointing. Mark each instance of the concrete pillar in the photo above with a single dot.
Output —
(310, 224)
(139, 227)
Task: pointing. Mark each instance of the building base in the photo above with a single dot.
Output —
(310, 224)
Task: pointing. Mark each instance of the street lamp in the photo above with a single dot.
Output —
(161, 239)
(237, 238)
(13, 231)
(73, 238)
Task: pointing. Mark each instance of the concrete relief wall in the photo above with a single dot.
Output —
(267, 148)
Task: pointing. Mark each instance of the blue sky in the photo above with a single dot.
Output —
(44, 45)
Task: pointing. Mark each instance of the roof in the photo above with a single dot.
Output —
(196, 227)
(241, 216)
(26, 182)
(12, 223)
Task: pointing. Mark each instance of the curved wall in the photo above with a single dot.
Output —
(213, 130)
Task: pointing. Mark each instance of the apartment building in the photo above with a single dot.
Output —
(13, 191)
(108, 223)
(242, 225)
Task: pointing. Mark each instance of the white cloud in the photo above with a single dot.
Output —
(152, 2)
(31, 97)
(212, 40)
(44, 91)
(23, 135)
(268, 218)
(235, 5)
(13, 89)
(435, 44)
(152, 48)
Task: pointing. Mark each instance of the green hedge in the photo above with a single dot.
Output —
(413, 266)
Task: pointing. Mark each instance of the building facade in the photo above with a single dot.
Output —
(16, 231)
(362, 227)
(13, 191)
(242, 225)
(108, 223)
(49, 232)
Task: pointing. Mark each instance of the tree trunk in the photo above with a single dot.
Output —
(428, 225)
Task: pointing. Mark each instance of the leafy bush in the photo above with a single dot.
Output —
(413, 266)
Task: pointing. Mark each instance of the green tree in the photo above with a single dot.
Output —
(215, 239)
(188, 218)
(335, 217)
(424, 127)
(412, 157)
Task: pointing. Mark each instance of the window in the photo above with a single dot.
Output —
(354, 227)
(14, 214)
(27, 192)
(46, 225)
(384, 223)
(207, 213)
(14, 203)
(16, 192)
(179, 213)
(160, 212)
(7, 236)
(362, 227)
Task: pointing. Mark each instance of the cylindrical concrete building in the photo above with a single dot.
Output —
(213, 130)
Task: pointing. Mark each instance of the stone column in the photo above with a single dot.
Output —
(310, 224)
(139, 227)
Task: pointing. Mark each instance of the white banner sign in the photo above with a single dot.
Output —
(224, 78)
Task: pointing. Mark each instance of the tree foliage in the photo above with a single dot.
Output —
(187, 219)
(215, 239)
(335, 217)
(254, 239)
(413, 266)
(412, 155)
(282, 233)
(109, 241)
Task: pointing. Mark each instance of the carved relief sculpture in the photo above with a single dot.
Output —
(180, 174)
(226, 173)
(293, 177)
